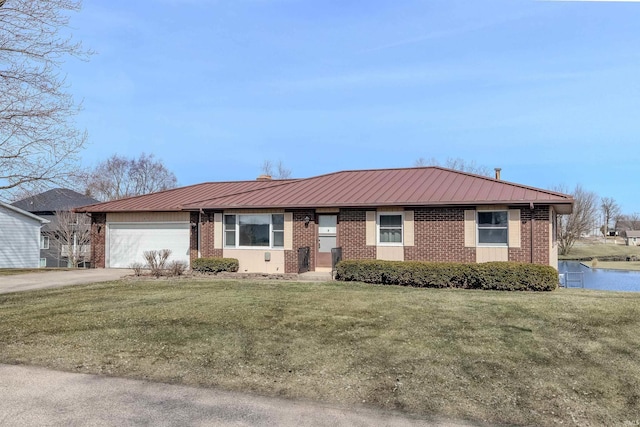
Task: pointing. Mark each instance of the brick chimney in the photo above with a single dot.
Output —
(498, 173)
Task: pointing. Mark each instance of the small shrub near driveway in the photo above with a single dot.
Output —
(215, 265)
(504, 276)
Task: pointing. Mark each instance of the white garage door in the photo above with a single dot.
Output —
(128, 242)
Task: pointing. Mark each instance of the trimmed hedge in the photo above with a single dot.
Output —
(215, 265)
(503, 276)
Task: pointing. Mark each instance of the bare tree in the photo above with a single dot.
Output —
(39, 142)
(571, 227)
(119, 177)
(71, 238)
(628, 222)
(456, 164)
(610, 210)
(277, 171)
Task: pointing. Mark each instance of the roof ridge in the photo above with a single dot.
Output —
(277, 183)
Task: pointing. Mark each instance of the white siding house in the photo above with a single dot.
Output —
(19, 238)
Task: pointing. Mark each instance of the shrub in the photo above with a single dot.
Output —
(156, 261)
(215, 265)
(510, 276)
(137, 268)
(176, 268)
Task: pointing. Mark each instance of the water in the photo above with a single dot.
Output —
(605, 280)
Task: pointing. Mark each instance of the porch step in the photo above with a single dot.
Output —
(315, 276)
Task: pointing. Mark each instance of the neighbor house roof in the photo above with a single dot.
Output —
(23, 212)
(632, 233)
(57, 199)
(424, 186)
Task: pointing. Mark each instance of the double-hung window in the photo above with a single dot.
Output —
(44, 242)
(493, 228)
(254, 230)
(390, 228)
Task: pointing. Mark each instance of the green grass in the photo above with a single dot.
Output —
(570, 356)
(585, 250)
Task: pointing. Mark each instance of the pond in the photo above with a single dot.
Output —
(598, 278)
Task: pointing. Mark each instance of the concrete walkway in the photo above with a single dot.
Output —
(54, 279)
(31, 396)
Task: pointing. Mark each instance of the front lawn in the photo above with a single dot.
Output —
(570, 356)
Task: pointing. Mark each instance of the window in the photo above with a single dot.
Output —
(44, 242)
(390, 228)
(43, 262)
(493, 228)
(254, 230)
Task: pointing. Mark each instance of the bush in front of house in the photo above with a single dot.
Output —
(505, 276)
(215, 265)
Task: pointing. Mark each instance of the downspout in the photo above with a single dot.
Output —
(532, 207)
(199, 222)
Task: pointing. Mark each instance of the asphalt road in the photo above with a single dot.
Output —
(54, 279)
(31, 396)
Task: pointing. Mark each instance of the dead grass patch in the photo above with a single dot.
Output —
(570, 356)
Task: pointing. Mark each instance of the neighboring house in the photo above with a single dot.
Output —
(54, 205)
(19, 237)
(631, 237)
(273, 226)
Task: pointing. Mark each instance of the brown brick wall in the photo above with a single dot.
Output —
(352, 235)
(439, 236)
(207, 249)
(98, 239)
(302, 236)
(541, 242)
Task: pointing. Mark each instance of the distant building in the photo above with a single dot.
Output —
(45, 205)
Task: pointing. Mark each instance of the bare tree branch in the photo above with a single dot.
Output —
(39, 142)
(72, 237)
(571, 227)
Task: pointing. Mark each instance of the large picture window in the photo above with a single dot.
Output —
(254, 230)
(493, 228)
(390, 228)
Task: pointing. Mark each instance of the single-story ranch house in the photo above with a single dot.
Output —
(424, 213)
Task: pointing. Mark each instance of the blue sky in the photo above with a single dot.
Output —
(548, 91)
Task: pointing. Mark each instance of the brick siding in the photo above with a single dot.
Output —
(439, 236)
(98, 239)
(541, 242)
(302, 236)
(207, 236)
(352, 235)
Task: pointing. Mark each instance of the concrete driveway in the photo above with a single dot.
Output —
(55, 279)
(31, 396)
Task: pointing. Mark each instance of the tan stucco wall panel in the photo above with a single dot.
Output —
(390, 253)
(514, 228)
(253, 260)
(409, 228)
(490, 253)
(217, 231)
(470, 228)
(371, 228)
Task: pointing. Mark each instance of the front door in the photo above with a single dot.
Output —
(327, 226)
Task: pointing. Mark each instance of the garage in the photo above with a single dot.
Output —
(127, 242)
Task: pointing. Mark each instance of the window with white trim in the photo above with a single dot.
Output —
(493, 228)
(254, 230)
(43, 262)
(390, 228)
(44, 242)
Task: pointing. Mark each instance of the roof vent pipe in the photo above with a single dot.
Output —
(498, 173)
(264, 178)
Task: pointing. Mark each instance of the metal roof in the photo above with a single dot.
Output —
(423, 186)
(174, 199)
(426, 186)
